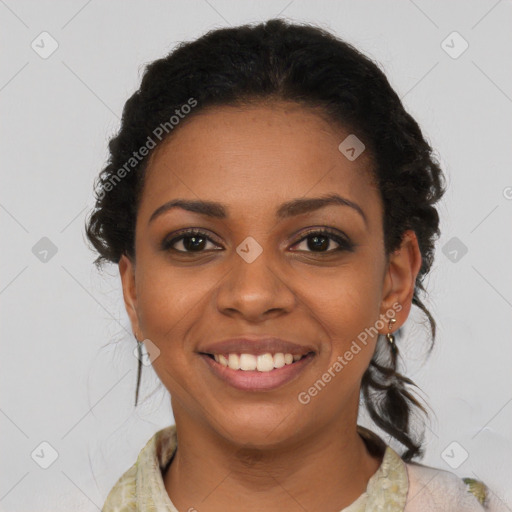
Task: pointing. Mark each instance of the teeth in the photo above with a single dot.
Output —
(249, 362)
(234, 361)
(279, 360)
(265, 363)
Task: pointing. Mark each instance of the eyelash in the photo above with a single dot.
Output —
(343, 244)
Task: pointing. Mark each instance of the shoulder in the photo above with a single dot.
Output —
(121, 497)
(436, 489)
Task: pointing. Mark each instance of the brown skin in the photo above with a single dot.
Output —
(255, 451)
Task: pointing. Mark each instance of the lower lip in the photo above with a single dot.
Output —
(253, 380)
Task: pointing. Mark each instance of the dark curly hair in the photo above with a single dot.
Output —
(278, 60)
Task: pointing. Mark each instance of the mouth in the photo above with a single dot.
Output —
(251, 372)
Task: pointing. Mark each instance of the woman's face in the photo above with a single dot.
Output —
(257, 270)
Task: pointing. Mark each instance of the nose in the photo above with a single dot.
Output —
(256, 290)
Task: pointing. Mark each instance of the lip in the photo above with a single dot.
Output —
(254, 380)
(256, 346)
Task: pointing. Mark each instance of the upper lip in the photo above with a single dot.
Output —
(256, 346)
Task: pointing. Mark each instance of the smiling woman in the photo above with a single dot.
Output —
(270, 246)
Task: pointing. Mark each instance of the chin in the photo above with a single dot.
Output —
(261, 428)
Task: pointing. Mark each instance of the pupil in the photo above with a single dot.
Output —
(191, 242)
(316, 244)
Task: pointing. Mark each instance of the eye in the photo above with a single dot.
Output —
(196, 241)
(189, 241)
(321, 239)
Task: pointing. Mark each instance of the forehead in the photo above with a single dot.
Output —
(253, 156)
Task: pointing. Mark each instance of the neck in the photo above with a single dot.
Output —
(327, 470)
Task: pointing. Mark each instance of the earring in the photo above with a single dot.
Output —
(139, 368)
(390, 337)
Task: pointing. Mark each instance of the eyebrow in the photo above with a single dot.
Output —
(289, 209)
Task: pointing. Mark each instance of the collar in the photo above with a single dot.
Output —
(386, 490)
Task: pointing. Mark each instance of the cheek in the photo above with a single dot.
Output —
(171, 307)
(347, 306)
(167, 303)
(166, 294)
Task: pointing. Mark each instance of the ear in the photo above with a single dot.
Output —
(127, 273)
(400, 279)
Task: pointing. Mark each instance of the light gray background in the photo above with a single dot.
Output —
(68, 373)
